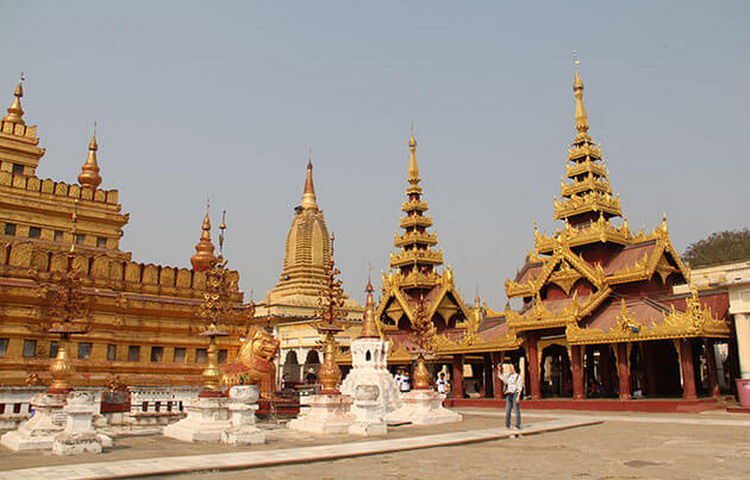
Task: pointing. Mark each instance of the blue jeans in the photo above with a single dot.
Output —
(511, 403)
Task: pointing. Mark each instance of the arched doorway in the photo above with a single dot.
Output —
(290, 372)
(600, 366)
(556, 377)
(312, 364)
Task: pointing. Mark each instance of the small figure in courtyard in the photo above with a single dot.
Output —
(442, 384)
(513, 388)
(311, 378)
(405, 384)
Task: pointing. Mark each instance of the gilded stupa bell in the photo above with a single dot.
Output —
(204, 256)
(15, 112)
(89, 176)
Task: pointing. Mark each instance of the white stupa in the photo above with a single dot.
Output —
(369, 382)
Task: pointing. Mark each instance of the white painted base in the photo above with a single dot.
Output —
(368, 429)
(76, 444)
(327, 414)
(206, 421)
(423, 407)
(38, 432)
(243, 430)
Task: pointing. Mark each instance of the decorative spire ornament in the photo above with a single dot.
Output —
(15, 111)
(423, 333)
(215, 307)
(331, 315)
(89, 176)
(69, 308)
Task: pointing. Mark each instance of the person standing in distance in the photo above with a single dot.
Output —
(513, 388)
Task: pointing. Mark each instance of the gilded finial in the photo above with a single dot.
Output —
(413, 167)
(369, 327)
(222, 229)
(15, 111)
(89, 176)
(582, 119)
(309, 200)
(204, 256)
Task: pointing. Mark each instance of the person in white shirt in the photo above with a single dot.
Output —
(405, 383)
(513, 388)
(441, 383)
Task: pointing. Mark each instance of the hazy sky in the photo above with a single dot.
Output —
(224, 99)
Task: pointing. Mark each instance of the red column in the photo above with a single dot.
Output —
(488, 384)
(577, 367)
(532, 357)
(497, 385)
(457, 382)
(623, 372)
(713, 377)
(688, 372)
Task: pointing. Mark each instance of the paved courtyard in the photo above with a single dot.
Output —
(628, 446)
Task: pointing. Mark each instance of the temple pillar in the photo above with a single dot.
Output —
(688, 371)
(497, 385)
(532, 356)
(457, 380)
(623, 371)
(713, 378)
(576, 362)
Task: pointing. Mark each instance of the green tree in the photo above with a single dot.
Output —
(720, 247)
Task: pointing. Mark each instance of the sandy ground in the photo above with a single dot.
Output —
(616, 449)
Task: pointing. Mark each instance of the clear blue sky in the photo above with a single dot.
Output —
(225, 98)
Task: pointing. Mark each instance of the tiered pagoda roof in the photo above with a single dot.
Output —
(418, 274)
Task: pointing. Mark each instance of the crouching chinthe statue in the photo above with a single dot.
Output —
(255, 362)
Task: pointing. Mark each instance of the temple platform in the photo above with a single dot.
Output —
(646, 405)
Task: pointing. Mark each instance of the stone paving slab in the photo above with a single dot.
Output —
(244, 460)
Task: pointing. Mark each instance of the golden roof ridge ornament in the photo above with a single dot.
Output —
(89, 176)
(309, 199)
(15, 111)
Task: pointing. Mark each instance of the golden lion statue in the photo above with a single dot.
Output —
(254, 364)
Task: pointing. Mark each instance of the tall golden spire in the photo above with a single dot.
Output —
(89, 176)
(369, 327)
(586, 194)
(15, 111)
(204, 256)
(413, 166)
(417, 259)
(309, 200)
(582, 119)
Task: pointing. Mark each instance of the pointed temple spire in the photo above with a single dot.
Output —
(369, 326)
(586, 194)
(417, 260)
(89, 176)
(413, 166)
(204, 256)
(15, 111)
(309, 200)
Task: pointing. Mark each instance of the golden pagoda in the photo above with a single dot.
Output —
(418, 275)
(291, 306)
